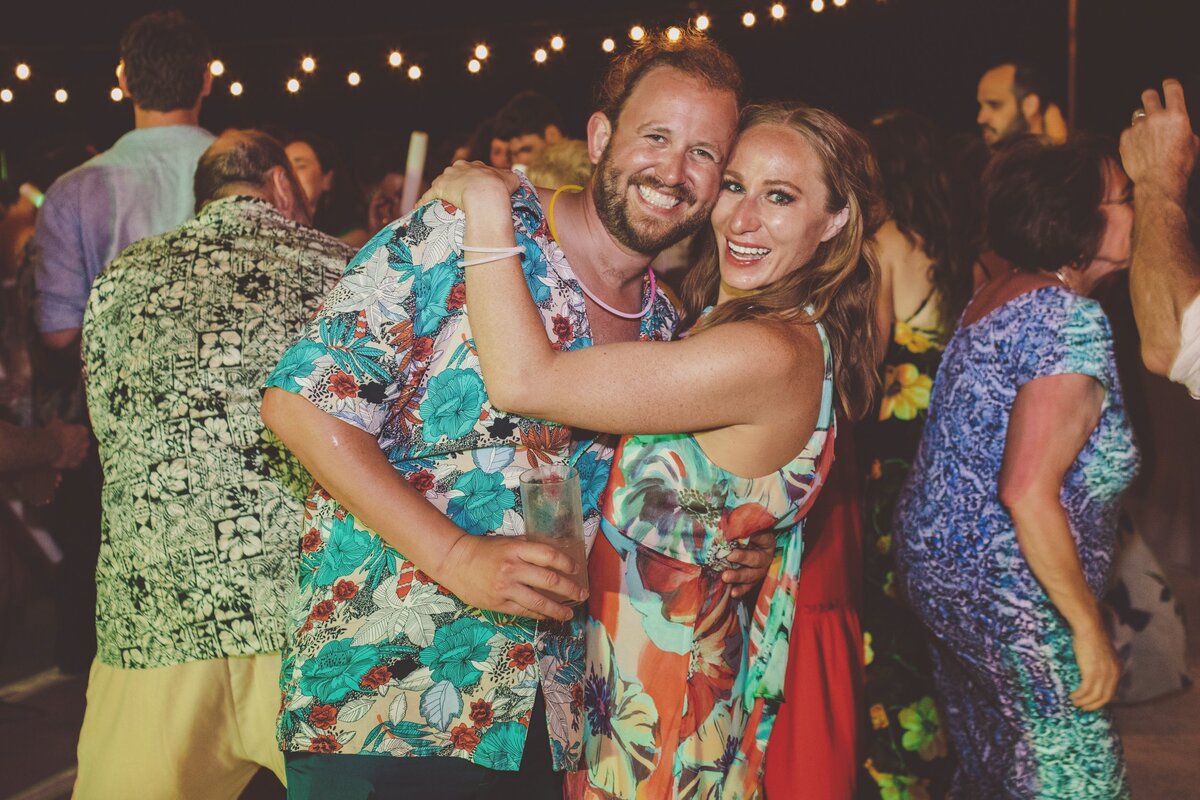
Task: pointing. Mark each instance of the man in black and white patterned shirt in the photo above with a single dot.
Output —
(200, 501)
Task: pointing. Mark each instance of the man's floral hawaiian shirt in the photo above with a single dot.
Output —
(381, 659)
(200, 501)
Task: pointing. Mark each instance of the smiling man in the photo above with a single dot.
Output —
(397, 682)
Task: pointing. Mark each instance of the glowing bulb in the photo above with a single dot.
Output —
(608, 45)
(748, 19)
(777, 11)
(481, 51)
(354, 79)
(235, 88)
(702, 22)
(557, 43)
(23, 72)
(674, 34)
(395, 59)
(539, 55)
(414, 72)
(293, 85)
(839, 3)
(116, 94)
(308, 63)
(474, 66)
(637, 33)
(818, 6)
(217, 68)
(6, 96)
(60, 95)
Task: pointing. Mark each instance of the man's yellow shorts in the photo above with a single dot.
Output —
(196, 730)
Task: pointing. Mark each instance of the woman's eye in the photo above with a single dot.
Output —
(731, 186)
(780, 198)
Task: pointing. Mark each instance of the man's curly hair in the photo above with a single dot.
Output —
(166, 56)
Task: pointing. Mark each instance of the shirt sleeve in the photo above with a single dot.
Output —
(1186, 367)
(1071, 335)
(352, 358)
(60, 275)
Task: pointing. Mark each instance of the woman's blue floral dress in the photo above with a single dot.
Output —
(1004, 664)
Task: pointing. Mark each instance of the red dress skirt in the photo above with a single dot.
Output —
(813, 751)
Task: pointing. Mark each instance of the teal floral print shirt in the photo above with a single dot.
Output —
(200, 501)
(380, 658)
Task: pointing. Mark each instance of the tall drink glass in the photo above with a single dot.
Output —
(553, 513)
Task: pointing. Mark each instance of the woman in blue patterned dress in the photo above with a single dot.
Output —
(1007, 524)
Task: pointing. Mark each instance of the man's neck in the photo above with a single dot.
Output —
(607, 267)
(144, 118)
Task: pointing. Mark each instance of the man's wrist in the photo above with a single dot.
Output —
(1152, 192)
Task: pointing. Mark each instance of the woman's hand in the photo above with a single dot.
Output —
(467, 182)
(1099, 669)
(511, 575)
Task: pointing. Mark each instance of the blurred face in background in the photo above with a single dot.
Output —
(498, 154)
(999, 113)
(307, 167)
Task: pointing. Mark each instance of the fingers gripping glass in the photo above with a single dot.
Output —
(553, 512)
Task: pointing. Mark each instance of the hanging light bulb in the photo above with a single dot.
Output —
(23, 72)
(308, 63)
(481, 51)
(637, 33)
(674, 34)
(474, 66)
(839, 3)
(557, 43)
(116, 94)
(6, 95)
(292, 85)
(353, 78)
(777, 11)
(395, 58)
(608, 45)
(61, 95)
(818, 6)
(235, 88)
(414, 72)
(539, 55)
(217, 68)
(702, 22)
(748, 19)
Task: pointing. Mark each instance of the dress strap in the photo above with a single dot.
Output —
(920, 308)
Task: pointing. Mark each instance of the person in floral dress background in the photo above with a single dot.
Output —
(924, 255)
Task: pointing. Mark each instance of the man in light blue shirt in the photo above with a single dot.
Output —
(140, 187)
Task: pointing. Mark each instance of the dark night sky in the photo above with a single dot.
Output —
(858, 60)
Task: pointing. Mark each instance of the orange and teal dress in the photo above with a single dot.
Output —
(682, 680)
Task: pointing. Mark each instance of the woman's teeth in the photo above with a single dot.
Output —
(748, 252)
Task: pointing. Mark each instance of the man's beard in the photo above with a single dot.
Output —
(1016, 127)
(608, 192)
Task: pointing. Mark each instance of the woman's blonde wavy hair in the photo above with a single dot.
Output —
(840, 282)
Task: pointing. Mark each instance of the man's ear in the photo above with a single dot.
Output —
(1031, 108)
(552, 134)
(124, 84)
(283, 195)
(599, 131)
(207, 87)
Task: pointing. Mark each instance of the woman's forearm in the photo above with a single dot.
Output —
(1044, 536)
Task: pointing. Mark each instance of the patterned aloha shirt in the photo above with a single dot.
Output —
(381, 659)
(200, 503)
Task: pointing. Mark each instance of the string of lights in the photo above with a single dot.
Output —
(395, 59)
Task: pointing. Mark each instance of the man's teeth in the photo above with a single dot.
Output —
(738, 250)
(657, 199)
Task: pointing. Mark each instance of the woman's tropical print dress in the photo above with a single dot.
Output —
(906, 755)
(682, 679)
